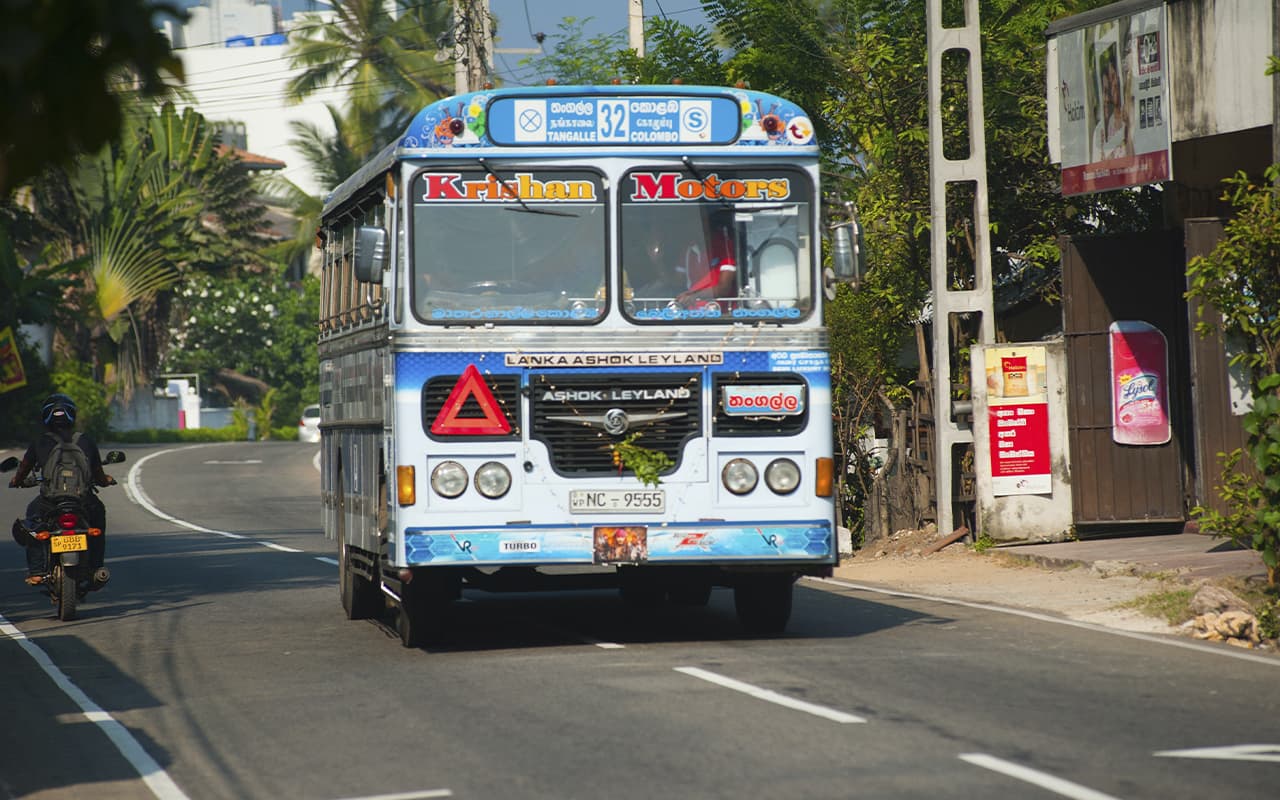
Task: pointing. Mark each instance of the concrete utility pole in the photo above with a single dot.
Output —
(635, 25)
(472, 45)
(948, 301)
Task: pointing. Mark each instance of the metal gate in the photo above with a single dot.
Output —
(1106, 279)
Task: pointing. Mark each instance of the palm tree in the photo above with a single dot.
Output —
(332, 159)
(382, 58)
(130, 219)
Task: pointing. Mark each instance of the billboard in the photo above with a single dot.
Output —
(1113, 96)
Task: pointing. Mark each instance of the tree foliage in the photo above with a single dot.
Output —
(130, 220)
(1240, 281)
(62, 69)
(256, 325)
(383, 56)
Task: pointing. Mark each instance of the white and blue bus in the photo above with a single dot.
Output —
(576, 333)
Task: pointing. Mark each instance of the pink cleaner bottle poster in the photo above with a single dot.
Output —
(1139, 384)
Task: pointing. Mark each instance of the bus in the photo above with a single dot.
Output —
(572, 336)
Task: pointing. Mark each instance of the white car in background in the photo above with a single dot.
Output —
(309, 425)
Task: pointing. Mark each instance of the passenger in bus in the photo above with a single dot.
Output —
(648, 265)
(712, 270)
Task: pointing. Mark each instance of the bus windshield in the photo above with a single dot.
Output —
(724, 245)
(503, 246)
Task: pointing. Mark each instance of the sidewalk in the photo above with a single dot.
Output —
(1186, 556)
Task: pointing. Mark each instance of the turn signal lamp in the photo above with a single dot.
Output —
(825, 473)
(406, 487)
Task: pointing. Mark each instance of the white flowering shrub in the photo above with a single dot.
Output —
(258, 325)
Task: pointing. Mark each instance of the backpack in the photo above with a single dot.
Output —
(66, 470)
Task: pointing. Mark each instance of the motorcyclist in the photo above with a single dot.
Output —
(58, 415)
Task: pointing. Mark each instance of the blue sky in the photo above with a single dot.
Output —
(519, 19)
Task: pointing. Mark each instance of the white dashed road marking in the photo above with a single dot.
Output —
(771, 696)
(1042, 779)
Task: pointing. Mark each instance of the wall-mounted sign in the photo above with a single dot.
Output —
(1139, 384)
(1113, 103)
(1018, 421)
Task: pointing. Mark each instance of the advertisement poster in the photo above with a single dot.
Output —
(1139, 384)
(1114, 103)
(12, 375)
(1018, 421)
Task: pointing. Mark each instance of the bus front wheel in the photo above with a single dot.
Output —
(361, 598)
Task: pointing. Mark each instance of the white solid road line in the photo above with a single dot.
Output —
(1233, 752)
(771, 696)
(156, 779)
(423, 795)
(134, 487)
(1042, 779)
(1088, 626)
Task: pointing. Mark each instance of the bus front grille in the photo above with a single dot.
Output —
(578, 416)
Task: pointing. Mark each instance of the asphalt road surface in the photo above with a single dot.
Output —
(218, 664)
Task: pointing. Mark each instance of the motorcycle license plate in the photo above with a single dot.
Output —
(68, 544)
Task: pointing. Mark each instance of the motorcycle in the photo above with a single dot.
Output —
(62, 529)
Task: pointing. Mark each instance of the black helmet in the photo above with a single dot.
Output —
(58, 410)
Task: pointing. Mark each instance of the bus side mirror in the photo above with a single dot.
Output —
(371, 254)
(846, 252)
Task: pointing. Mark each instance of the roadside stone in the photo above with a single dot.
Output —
(1108, 569)
(1209, 598)
(1233, 627)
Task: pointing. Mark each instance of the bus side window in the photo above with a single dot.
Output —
(346, 279)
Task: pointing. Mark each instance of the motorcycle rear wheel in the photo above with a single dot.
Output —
(64, 584)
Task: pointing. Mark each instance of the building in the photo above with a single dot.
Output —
(1175, 93)
(233, 52)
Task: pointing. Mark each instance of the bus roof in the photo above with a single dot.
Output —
(550, 121)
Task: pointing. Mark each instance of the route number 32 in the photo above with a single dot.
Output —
(611, 121)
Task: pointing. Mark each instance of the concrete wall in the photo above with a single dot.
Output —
(145, 410)
(1024, 517)
(1218, 55)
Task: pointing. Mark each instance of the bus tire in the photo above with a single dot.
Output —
(361, 598)
(763, 601)
(423, 608)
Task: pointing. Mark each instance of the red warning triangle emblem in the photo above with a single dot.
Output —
(470, 385)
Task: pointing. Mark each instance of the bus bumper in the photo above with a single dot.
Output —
(803, 542)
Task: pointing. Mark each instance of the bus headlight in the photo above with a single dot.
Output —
(493, 480)
(782, 476)
(449, 479)
(739, 476)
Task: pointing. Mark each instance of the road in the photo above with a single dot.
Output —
(218, 664)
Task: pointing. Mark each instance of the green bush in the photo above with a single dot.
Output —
(164, 435)
(75, 379)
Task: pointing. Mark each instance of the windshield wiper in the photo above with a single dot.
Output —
(511, 195)
(688, 164)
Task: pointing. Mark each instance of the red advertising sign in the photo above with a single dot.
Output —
(1019, 446)
(1139, 384)
(1018, 421)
